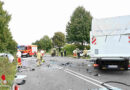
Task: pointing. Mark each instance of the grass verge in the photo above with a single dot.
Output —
(9, 69)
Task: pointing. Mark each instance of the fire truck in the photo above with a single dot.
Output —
(28, 50)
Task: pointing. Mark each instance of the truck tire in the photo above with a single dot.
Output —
(35, 55)
(27, 55)
(100, 66)
(98, 61)
(126, 64)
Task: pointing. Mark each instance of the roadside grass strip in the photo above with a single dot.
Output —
(9, 70)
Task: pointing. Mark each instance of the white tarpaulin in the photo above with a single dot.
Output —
(111, 26)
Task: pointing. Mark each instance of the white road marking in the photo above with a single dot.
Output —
(88, 78)
(84, 79)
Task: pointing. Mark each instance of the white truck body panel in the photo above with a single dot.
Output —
(34, 48)
(110, 37)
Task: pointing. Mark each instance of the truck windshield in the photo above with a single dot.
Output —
(21, 47)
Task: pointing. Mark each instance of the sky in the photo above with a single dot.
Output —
(32, 19)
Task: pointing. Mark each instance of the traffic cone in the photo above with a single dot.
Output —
(3, 79)
(16, 87)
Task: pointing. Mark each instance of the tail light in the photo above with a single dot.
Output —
(95, 65)
(128, 66)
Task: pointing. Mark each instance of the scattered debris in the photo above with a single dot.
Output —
(65, 64)
(20, 76)
(21, 83)
(97, 74)
(48, 65)
(87, 69)
(32, 69)
(82, 63)
(62, 64)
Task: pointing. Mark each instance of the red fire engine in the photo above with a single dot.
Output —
(28, 50)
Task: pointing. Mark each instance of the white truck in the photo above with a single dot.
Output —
(110, 42)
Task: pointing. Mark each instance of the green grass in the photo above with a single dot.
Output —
(9, 69)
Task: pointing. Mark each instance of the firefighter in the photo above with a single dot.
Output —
(64, 52)
(61, 53)
(78, 53)
(42, 54)
(85, 52)
(19, 59)
(39, 58)
(75, 53)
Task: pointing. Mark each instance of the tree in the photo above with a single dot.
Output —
(58, 39)
(44, 43)
(79, 26)
(7, 44)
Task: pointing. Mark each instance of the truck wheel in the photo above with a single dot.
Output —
(35, 55)
(126, 64)
(98, 61)
(27, 55)
(100, 67)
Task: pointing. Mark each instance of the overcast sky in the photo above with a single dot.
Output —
(32, 19)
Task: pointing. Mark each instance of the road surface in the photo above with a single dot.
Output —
(66, 73)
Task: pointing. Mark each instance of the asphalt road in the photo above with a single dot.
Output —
(65, 73)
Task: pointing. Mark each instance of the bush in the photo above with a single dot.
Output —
(82, 47)
(69, 48)
(88, 47)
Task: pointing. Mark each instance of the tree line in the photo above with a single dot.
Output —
(77, 31)
(7, 43)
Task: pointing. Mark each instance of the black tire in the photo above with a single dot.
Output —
(99, 63)
(35, 55)
(27, 55)
(126, 64)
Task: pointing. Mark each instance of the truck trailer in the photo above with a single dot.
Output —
(110, 42)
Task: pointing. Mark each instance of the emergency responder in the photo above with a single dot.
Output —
(18, 54)
(75, 53)
(38, 58)
(64, 52)
(78, 53)
(42, 54)
(61, 53)
(85, 52)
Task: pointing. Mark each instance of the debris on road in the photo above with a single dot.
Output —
(32, 69)
(48, 65)
(20, 77)
(21, 83)
(97, 74)
(65, 64)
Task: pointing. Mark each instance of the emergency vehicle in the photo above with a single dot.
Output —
(28, 50)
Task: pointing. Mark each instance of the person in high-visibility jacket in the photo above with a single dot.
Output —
(19, 59)
(39, 58)
(42, 54)
(85, 52)
(75, 53)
